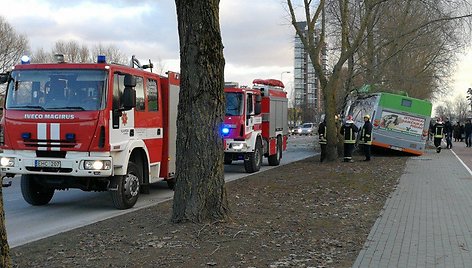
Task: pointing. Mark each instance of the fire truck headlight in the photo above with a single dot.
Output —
(97, 165)
(238, 146)
(7, 162)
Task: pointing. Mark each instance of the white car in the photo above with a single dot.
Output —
(307, 129)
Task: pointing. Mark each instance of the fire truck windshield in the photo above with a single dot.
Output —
(234, 103)
(56, 90)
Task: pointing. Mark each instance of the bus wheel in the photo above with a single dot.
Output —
(33, 192)
(127, 187)
(274, 160)
(253, 161)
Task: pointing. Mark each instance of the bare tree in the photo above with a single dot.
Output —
(84, 54)
(443, 111)
(460, 108)
(112, 52)
(350, 36)
(12, 45)
(200, 193)
(75, 52)
(41, 56)
(411, 45)
(72, 51)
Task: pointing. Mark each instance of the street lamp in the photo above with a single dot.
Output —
(281, 74)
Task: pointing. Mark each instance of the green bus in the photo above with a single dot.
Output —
(399, 122)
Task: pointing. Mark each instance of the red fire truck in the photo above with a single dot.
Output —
(255, 123)
(96, 127)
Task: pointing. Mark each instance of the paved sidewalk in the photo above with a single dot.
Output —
(427, 222)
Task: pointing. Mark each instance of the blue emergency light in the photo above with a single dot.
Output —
(26, 135)
(101, 59)
(70, 136)
(25, 60)
(225, 131)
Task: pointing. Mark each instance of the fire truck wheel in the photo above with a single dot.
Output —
(33, 192)
(253, 161)
(274, 160)
(127, 192)
(228, 159)
(171, 183)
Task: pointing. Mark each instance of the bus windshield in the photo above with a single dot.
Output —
(234, 103)
(56, 90)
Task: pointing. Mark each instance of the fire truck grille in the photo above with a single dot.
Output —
(49, 169)
(50, 143)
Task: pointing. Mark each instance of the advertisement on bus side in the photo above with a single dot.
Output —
(401, 123)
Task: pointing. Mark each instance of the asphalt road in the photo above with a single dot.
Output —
(74, 208)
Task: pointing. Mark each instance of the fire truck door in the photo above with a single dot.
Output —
(249, 112)
(148, 119)
(122, 122)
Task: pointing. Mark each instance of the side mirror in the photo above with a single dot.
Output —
(4, 77)
(129, 98)
(258, 106)
(258, 98)
(130, 81)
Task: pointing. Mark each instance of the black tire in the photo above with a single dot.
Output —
(274, 160)
(254, 160)
(127, 192)
(33, 192)
(228, 159)
(171, 183)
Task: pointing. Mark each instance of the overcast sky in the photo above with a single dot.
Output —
(257, 37)
(257, 34)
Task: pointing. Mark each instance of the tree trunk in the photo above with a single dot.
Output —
(331, 130)
(200, 193)
(5, 260)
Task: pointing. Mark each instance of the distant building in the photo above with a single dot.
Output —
(307, 93)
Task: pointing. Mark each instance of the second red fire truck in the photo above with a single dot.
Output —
(255, 123)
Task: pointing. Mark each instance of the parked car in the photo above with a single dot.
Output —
(307, 129)
(296, 130)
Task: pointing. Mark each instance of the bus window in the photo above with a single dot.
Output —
(406, 103)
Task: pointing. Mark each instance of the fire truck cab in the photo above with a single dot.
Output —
(255, 123)
(92, 126)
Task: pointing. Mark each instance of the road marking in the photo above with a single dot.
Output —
(462, 162)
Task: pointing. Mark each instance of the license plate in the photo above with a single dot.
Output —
(47, 163)
(396, 148)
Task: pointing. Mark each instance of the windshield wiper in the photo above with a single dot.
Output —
(67, 108)
(29, 107)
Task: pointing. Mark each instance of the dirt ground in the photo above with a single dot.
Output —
(304, 214)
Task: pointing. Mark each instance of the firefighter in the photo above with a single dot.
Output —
(322, 139)
(349, 130)
(366, 137)
(438, 133)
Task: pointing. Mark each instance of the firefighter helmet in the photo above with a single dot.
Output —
(367, 116)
